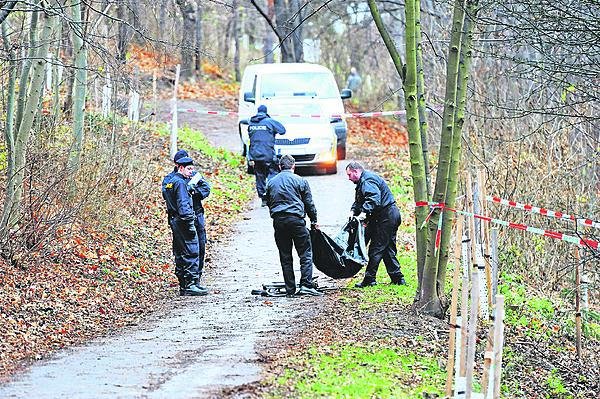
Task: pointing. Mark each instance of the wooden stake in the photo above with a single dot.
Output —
(154, 97)
(454, 305)
(174, 113)
(494, 260)
(471, 345)
(578, 304)
(498, 343)
(485, 237)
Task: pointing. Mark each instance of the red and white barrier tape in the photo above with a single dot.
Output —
(344, 115)
(582, 242)
(544, 211)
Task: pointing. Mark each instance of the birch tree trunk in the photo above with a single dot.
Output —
(79, 84)
(430, 301)
(459, 119)
(10, 109)
(236, 38)
(409, 79)
(422, 107)
(12, 202)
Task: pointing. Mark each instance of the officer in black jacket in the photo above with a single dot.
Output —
(375, 203)
(182, 222)
(199, 189)
(261, 131)
(290, 200)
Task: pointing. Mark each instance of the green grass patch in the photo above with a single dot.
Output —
(352, 371)
(385, 293)
(190, 138)
(534, 315)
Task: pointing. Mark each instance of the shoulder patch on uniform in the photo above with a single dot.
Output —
(169, 186)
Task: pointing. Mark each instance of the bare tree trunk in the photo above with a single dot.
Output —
(26, 68)
(80, 83)
(10, 107)
(13, 201)
(7, 9)
(122, 39)
(198, 46)
(188, 14)
(297, 37)
(236, 38)
(268, 41)
(282, 29)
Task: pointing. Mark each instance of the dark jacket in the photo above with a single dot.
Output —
(199, 191)
(179, 202)
(262, 130)
(289, 194)
(372, 195)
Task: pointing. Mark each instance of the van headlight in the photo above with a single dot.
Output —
(326, 150)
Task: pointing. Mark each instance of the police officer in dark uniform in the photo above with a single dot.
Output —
(290, 200)
(182, 221)
(199, 189)
(262, 130)
(375, 203)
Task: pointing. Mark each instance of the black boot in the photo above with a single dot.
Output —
(193, 290)
(398, 281)
(365, 283)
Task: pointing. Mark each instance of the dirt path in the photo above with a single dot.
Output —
(203, 344)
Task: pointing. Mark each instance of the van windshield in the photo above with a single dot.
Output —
(302, 84)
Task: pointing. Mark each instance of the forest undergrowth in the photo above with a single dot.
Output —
(371, 343)
(94, 254)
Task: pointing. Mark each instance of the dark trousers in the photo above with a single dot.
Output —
(291, 230)
(381, 232)
(200, 225)
(262, 171)
(186, 251)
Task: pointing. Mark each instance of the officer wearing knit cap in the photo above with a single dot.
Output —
(182, 222)
(262, 130)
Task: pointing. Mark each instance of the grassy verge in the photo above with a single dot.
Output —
(376, 370)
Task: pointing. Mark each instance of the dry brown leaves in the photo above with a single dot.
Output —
(96, 276)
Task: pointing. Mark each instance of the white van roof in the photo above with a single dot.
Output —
(289, 67)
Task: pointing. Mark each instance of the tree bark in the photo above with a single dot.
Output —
(409, 79)
(12, 202)
(297, 35)
(430, 301)
(7, 9)
(236, 38)
(122, 37)
(80, 84)
(198, 44)
(459, 118)
(188, 14)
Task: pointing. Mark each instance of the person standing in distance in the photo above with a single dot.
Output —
(375, 204)
(290, 200)
(182, 222)
(262, 130)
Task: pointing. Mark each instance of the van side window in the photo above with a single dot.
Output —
(254, 87)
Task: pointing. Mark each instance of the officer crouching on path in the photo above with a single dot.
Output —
(182, 220)
(261, 131)
(290, 200)
(375, 203)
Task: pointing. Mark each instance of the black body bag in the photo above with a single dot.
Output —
(342, 256)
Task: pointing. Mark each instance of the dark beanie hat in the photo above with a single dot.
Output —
(262, 108)
(184, 161)
(180, 154)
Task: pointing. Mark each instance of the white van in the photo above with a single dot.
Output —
(302, 97)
